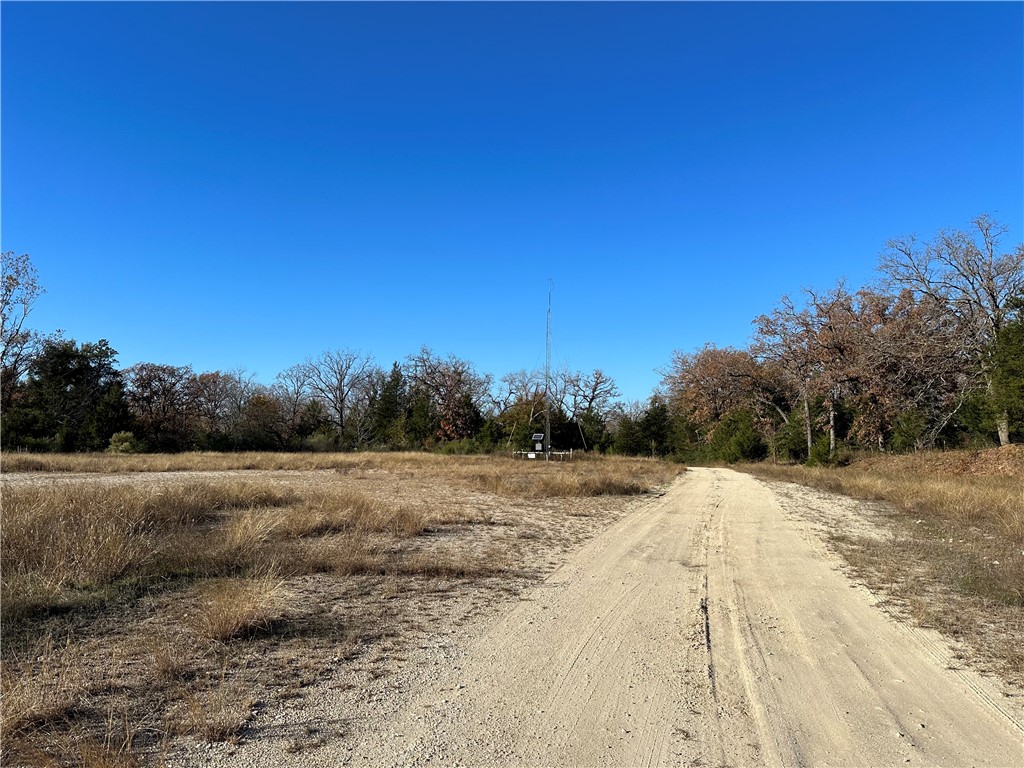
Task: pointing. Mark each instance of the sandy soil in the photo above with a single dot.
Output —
(710, 626)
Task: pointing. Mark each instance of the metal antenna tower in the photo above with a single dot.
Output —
(547, 382)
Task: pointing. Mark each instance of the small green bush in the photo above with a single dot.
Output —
(125, 442)
(323, 441)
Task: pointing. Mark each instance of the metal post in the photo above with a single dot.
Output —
(547, 382)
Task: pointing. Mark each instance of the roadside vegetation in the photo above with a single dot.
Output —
(952, 557)
(143, 608)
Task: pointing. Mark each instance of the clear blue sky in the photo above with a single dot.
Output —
(237, 184)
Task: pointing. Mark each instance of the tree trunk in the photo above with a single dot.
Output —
(1003, 427)
(831, 430)
(807, 423)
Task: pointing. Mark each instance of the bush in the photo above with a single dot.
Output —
(125, 442)
(821, 457)
(908, 433)
(323, 441)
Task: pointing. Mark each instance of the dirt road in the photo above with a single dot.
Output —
(708, 628)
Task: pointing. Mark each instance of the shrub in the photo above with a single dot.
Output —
(125, 442)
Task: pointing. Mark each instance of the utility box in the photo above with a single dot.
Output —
(538, 441)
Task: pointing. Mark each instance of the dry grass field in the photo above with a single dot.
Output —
(150, 599)
(952, 553)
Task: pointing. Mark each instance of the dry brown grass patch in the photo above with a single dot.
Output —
(69, 750)
(447, 564)
(171, 662)
(40, 691)
(58, 539)
(243, 539)
(620, 475)
(991, 504)
(218, 711)
(231, 608)
(207, 461)
(338, 510)
(109, 463)
(351, 554)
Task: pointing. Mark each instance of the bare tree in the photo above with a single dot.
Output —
(589, 393)
(963, 271)
(814, 346)
(517, 402)
(291, 389)
(19, 289)
(516, 388)
(337, 378)
(219, 398)
(160, 398)
(785, 337)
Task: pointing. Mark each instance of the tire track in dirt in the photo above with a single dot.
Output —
(591, 669)
(819, 675)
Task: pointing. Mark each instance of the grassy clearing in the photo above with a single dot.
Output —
(148, 597)
(76, 554)
(43, 691)
(586, 476)
(954, 556)
(77, 543)
(198, 461)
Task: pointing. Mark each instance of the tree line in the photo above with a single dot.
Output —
(60, 395)
(933, 355)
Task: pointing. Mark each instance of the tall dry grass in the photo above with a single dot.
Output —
(588, 475)
(71, 544)
(63, 542)
(43, 690)
(59, 541)
(209, 461)
(198, 461)
(232, 608)
(339, 510)
(990, 503)
(225, 547)
(216, 711)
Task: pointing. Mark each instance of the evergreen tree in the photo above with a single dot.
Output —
(1007, 393)
(72, 399)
